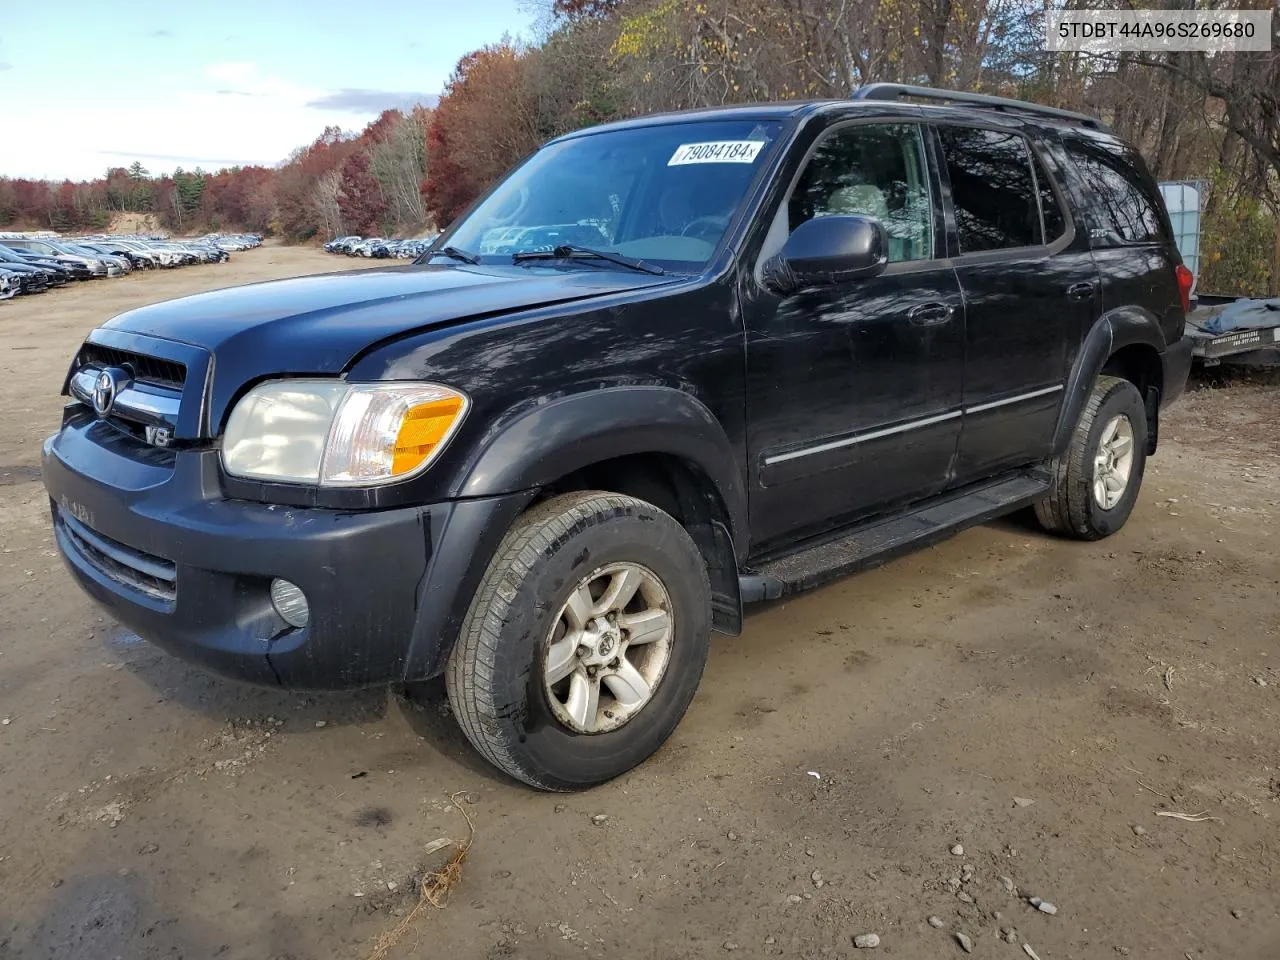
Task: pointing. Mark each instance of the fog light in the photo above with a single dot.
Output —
(290, 602)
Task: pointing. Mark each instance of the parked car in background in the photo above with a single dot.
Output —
(55, 274)
(135, 259)
(8, 284)
(96, 265)
(122, 264)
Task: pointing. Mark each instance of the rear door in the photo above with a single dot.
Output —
(1030, 288)
(1132, 240)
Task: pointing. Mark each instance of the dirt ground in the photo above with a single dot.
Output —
(1039, 702)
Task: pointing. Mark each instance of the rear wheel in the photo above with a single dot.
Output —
(585, 641)
(1096, 481)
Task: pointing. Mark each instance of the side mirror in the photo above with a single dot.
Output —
(828, 250)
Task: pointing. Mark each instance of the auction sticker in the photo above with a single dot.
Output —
(716, 151)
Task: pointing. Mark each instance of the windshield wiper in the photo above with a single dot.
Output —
(454, 253)
(573, 251)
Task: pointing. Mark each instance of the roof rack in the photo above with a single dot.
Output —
(898, 91)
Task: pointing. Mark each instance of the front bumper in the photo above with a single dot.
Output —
(1176, 360)
(152, 539)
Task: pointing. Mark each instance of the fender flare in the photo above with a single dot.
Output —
(1112, 331)
(540, 444)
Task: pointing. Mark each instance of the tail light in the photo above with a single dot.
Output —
(1185, 280)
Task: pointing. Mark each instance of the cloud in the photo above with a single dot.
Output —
(161, 33)
(232, 72)
(5, 65)
(236, 93)
(351, 100)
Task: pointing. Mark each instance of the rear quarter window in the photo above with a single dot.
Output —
(1126, 207)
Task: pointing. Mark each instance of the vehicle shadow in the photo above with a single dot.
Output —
(425, 708)
(199, 691)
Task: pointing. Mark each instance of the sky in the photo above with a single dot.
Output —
(91, 84)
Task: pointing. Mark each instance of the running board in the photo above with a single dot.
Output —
(877, 541)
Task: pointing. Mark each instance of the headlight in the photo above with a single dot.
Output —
(339, 434)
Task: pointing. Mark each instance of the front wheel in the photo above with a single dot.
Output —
(1097, 478)
(585, 642)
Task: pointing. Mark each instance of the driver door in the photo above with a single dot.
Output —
(854, 389)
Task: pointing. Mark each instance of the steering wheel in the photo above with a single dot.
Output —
(512, 206)
(709, 228)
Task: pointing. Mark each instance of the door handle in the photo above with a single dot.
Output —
(930, 314)
(1080, 291)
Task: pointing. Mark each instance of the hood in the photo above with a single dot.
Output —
(319, 324)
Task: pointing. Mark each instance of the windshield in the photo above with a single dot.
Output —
(664, 194)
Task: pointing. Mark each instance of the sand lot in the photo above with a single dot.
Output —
(834, 755)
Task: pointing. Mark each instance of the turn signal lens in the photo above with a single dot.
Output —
(424, 428)
(388, 431)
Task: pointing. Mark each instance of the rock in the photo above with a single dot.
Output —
(600, 819)
(816, 877)
(1258, 680)
(148, 848)
(1139, 830)
(1237, 914)
(732, 836)
(769, 941)
(1043, 906)
(957, 850)
(795, 898)
(1009, 935)
(391, 885)
(321, 723)
(964, 897)
(935, 922)
(866, 941)
(560, 808)
(966, 873)
(966, 944)
(807, 895)
(1007, 883)
(953, 884)
(730, 945)
(1022, 801)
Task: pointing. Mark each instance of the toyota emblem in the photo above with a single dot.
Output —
(104, 393)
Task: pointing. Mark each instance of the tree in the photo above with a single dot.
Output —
(359, 195)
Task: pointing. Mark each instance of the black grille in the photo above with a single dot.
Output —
(152, 575)
(168, 373)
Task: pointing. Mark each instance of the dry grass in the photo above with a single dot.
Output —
(433, 890)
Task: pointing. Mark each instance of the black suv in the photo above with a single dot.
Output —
(664, 368)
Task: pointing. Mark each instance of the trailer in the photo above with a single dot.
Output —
(1222, 328)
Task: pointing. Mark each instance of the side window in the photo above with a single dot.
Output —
(1055, 224)
(992, 189)
(874, 170)
(1122, 202)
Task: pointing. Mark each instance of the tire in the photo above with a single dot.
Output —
(521, 615)
(1075, 507)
